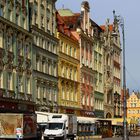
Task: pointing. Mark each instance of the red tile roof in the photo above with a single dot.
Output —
(71, 19)
(74, 33)
(104, 27)
(63, 28)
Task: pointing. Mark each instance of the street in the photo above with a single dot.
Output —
(120, 138)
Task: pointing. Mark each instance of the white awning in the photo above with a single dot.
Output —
(86, 120)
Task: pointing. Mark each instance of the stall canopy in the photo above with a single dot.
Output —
(86, 120)
(118, 121)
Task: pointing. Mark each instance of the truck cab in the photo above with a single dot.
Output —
(59, 127)
(55, 130)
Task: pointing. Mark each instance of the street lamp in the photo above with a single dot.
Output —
(120, 21)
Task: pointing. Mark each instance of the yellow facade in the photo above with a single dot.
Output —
(133, 107)
(68, 75)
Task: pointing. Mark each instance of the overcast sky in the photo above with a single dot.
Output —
(100, 10)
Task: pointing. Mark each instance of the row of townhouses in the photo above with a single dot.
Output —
(58, 61)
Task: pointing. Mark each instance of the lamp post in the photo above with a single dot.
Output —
(120, 21)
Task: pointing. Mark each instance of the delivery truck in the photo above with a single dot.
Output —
(17, 126)
(61, 127)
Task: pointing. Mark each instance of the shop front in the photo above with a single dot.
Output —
(16, 106)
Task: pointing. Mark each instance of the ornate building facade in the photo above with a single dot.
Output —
(16, 93)
(45, 54)
(86, 61)
(133, 108)
(112, 70)
(69, 99)
(117, 63)
(98, 70)
(80, 22)
(88, 79)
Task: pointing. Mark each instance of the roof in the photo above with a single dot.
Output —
(63, 28)
(65, 12)
(74, 33)
(71, 19)
(104, 27)
(95, 25)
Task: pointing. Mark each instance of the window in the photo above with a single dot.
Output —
(43, 43)
(37, 41)
(88, 100)
(100, 78)
(20, 48)
(28, 86)
(75, 93)
(38, 92)
(43, 65)
(67, 93)
(75, 53)
(27, 51)
(63, 93)
(70, 76)
(95, 55)
(49, 47)
(62, 46)
(37, 64)
(2, 11)
(67, 50)
(1, 79)
(35, 18)
(42, 21)
(83, 99)
(63, 72)
(24, 23)
(9, 80)
(70, 51)
(55, 69)
(53, 48)
(75, 75)
(82, 59)
(20, 83)
(55, 95)
(9, 15)
(17, 19)
(9, 42)
(48, 25)
(66, 72)
(44, 92)
(1, 40)
(50, 94)
(49, 67)
(86, 62)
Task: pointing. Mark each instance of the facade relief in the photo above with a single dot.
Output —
(108, 80)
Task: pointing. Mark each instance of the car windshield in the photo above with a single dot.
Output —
(55, 126)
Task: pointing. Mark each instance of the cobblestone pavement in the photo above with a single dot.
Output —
(120, 138)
